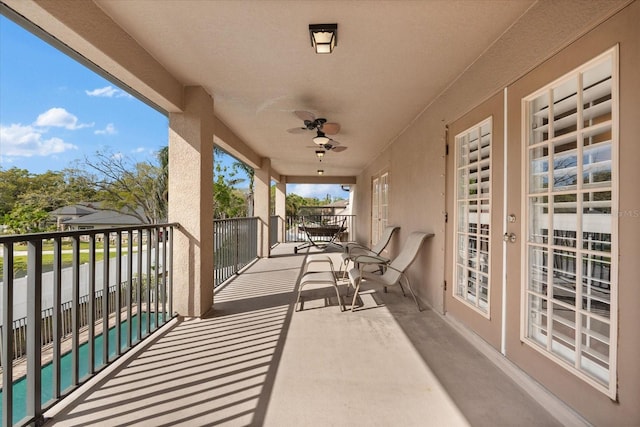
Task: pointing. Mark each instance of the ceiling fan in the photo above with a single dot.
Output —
(311, 122)
(323, 141)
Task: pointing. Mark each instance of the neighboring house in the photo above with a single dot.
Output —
(101, 219)
(339, 207)
(67, 213)
(88, 216)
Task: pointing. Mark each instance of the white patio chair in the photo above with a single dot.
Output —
(395, 270)
(354, 249)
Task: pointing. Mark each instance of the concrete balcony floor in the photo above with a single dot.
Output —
(257, 361)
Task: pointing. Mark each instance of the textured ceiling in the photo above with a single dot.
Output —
(254, 57)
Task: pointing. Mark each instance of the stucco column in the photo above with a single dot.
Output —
(281, 212)
(261, 205)
(191, 202)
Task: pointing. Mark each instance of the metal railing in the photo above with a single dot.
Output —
(235, 245)
(293, 233)
(133, 265)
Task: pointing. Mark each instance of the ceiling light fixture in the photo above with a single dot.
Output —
(321, 139)
(324, 37)
(320, 154)
(320, 172)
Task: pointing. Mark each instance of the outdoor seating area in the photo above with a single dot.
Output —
(256, 361)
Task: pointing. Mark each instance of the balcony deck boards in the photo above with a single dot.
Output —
(256, 361)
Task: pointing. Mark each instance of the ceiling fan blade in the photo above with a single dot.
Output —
(305, 115)
(297, 130)
(331, 128)
(339, 149)
(333, 142)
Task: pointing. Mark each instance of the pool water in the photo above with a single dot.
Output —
(20, 386)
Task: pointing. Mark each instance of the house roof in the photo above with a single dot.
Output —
(104, 218)
(73, 210)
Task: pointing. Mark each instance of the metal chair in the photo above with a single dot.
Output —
(353, 250)
(395, 270)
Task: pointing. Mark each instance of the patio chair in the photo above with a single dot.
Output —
(352, 250)
(395, 270)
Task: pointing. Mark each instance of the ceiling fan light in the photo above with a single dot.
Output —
(320, 154)
(320, 172)
(324, 37)
(320, 140)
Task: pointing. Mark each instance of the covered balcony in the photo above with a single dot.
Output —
(505, 129)
(260, 359)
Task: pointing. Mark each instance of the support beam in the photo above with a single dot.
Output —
(262, 203)
(191, 202)
(314, 179)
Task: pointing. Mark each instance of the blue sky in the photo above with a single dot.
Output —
(54, 111)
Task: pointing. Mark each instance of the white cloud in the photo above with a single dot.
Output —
(109, 130)
(26, 141)
(317, 190)
(139, 150)
(107, 92)
(59, 117)
(117, 156)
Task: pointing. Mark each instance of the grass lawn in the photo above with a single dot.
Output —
(20, 262)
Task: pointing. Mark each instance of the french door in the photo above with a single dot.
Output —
(567, 233)
(534, 196)
(379, 206)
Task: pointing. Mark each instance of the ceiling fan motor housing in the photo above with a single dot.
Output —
(313, 124)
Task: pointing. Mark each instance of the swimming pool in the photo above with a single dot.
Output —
(20, 386)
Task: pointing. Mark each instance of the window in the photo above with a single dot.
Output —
(569, 302)
(473, 216)
(379, 206)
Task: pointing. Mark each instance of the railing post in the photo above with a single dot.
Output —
(91, 304)
(129, 287)
(57, 321)
(148, 281)
(118, 296)
(105, 300)
(75, 314)
(34, 323)
(156, 281)
(170, 297)
(7, 336)
(139, 286)
(237, 246)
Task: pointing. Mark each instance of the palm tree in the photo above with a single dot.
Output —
(248, 170)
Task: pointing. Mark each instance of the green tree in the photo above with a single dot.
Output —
(51, 190)
(293, 203)
(248, 170)
(228, 201)
(26, 218)
(138, 189)
(13, 182)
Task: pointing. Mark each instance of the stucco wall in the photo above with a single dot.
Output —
(416, 168)
(598, 408)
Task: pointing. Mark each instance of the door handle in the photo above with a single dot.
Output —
(509, 237)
